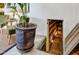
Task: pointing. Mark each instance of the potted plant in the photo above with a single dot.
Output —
(25, 31)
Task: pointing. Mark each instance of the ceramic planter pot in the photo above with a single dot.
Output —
(25, 37)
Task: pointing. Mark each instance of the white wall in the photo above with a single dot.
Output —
(40, 12)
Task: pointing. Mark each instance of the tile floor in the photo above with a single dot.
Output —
(4, 41)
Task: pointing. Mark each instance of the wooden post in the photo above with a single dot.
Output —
(47, 39)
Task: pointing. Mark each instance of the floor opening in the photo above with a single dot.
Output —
(54, 42)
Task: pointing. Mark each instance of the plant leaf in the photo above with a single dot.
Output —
(21, 6)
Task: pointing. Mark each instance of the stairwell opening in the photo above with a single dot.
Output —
(54, 41)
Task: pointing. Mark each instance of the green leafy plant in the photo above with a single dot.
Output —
(24, 19)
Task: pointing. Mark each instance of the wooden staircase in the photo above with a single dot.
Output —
(72, 40)
(54, 42)
(56, 45)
